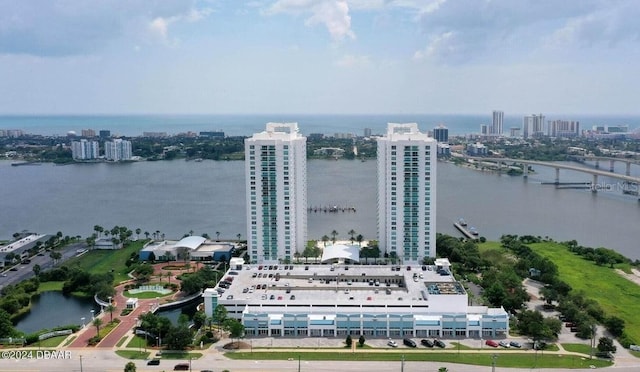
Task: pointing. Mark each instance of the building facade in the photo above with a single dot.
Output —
(407, 193)
(85, 150)
(441, 134)
(533, 126)
(276, 193)
(497, 123)
(117, 150)
(563, 128)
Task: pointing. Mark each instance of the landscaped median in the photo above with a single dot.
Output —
(482, 358)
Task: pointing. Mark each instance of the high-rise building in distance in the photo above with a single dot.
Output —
(563, 128)
(117, 150)
(407, 193)
(497, 123)
(85, 150)
(441, 134)
(276, 193)
(533, 126)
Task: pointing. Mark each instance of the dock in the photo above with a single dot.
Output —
(331, 209)
(465, 231)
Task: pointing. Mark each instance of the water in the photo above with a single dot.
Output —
(244, 125)
(208, 197)
(53, 309)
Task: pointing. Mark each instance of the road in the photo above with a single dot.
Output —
(25, 271)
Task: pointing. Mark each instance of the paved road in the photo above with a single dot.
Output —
(97, 360)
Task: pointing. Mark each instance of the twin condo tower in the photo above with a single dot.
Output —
(276, 193)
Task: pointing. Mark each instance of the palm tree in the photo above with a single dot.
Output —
(351, 233)
(190, 232)
(98, 229)
(334, 233)
(218, 235)
(110, 308)
(169, 274)
(138, 231)
(239, 236)
(325, 239)
(146, 234)
(359, 239)
(97, 322)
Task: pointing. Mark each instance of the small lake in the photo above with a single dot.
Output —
(53, 309)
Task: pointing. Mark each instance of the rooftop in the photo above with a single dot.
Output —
(328, 285)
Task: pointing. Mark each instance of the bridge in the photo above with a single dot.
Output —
(611, 160)
(630, 184)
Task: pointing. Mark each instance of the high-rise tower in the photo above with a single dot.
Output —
(407, 193)
(276, 192)
(497, 123)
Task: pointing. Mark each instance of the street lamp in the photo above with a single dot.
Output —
(92, 314)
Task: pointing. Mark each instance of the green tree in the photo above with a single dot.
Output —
(130, 367)
(351, 233)
(234, 327)
(179, 337)
(324, 239)
(361, 341)
(605, 344)
(199, 319)
(348, 341)
(614, 325)
(220, 314)
(110, 309)
(6, 326)
(334, 234)
(37, 269)
(97, 322)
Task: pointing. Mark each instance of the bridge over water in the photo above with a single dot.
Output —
(630, 184)
(611, 160)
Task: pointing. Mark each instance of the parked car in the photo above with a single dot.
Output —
(153, 362)
(392, 343)
(181, 367)
(504, 343)
(427, 343)
(491, 343)
(439, 343)
(409, 342)
(515, 344)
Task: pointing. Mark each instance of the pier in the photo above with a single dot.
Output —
(331, 209)
(466, 232)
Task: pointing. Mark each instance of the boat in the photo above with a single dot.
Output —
(462, 222)
(473, 231)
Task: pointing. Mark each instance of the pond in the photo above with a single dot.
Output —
(53, 309)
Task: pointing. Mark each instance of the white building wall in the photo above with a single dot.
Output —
(276, 193)
(407, 166)
(117, 150)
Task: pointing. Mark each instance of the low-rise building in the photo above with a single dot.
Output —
(339, 300)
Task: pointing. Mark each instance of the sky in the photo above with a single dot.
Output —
(319, 56)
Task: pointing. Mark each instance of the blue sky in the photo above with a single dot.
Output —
(319, 56)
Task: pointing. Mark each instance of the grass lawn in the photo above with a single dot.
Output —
(122, 340)
(102, 261)
(50, 286)
(180, 355)
(578, 348)
(106, 328)
(136, 341)
(145, 295)
(51, 342)
(133, 354)
(507, 360)
(617, 295)
(70, 340)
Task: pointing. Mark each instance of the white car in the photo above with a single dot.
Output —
(392, 343)
(504, 344)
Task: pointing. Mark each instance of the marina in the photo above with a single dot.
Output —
(468, 232)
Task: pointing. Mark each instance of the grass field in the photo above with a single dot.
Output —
(133, 354)
(146, 295)
(180, 355)
(578, 348)
(510, 360)
(51, 342)
(617, 295)
(50, 286)
(102, 261)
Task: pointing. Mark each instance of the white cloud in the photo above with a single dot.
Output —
(351, 60)
(333, 14)
(68, 27)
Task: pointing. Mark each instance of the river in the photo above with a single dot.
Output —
(175, 197)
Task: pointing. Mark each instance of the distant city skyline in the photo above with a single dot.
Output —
(319, 56)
